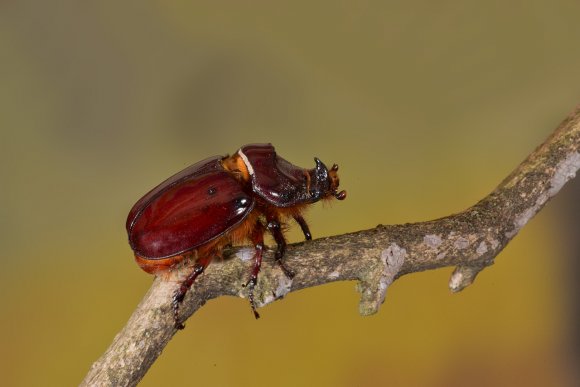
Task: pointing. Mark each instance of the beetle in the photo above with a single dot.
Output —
(225, 200)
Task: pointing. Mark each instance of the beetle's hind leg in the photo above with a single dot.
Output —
(276, 230)
(185, 285)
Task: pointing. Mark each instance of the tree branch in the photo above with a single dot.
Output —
(469, 240)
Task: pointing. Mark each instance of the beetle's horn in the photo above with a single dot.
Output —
(320, 183)
(321, 171)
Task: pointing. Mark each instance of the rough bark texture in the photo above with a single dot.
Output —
(469, 240)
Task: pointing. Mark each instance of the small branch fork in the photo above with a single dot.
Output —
(469, 240)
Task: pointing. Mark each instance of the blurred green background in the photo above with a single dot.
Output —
(425, 105)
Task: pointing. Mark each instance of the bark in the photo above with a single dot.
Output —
(469, 240)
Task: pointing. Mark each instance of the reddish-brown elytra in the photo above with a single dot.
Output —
(222, 201)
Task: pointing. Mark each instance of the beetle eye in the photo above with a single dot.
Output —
(211, 191)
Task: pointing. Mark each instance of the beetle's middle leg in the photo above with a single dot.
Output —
(276, 230)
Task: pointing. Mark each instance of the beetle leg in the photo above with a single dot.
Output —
(276, 231)
(185, 285)
(304, 226)
(258, 241)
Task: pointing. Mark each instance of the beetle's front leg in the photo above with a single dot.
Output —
(304, 226)
(257, 238)
(276, 230)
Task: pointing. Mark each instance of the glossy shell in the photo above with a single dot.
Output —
(187, 210)
(274, 179)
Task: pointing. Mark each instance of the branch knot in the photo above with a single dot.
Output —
(378, 278)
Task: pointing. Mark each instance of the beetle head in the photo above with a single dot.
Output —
(324, 183)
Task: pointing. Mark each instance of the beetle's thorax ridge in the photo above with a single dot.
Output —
(246, 162)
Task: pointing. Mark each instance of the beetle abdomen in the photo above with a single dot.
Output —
(156, 266)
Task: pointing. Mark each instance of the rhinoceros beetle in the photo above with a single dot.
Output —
(222, 201)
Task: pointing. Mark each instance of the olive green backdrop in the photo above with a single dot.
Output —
(425, 105)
